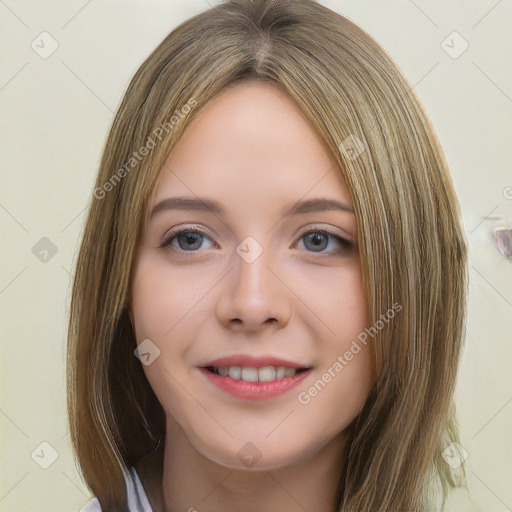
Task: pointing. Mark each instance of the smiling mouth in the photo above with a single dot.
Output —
(254, 374)
(255, 382)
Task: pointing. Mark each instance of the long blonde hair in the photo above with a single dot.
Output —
(412, 247)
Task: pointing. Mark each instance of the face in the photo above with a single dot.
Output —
(248, 291)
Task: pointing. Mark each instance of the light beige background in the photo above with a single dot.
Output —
(55, 113)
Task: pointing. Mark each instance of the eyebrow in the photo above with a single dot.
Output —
(204, 204)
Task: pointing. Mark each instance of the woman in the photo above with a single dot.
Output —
(269, 301)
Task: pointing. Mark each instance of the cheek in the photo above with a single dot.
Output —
(339, 299)
(331, 402)
(160, 315)
(166, 308)
(345, 371)
(161, 296)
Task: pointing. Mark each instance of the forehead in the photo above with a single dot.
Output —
(252, 142)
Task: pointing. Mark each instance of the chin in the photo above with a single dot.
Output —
(257, 455)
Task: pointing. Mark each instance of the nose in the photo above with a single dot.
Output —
(254, 295)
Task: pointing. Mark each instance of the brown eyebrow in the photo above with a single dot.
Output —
(204, 204)
(318, 205)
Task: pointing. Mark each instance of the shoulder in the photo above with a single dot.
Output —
(137, 499)
(91, 506)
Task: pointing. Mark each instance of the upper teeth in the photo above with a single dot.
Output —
(252, 374)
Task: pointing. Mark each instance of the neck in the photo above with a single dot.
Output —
(192, 482)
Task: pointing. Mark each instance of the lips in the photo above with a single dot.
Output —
(254, 378)
(254, 361)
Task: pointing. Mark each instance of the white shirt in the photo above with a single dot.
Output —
(137, 499)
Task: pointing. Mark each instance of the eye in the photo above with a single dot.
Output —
(318, 241)
(188, 239)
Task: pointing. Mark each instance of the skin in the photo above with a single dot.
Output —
(253, 151)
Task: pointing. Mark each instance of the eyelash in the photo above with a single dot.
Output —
(346, 245)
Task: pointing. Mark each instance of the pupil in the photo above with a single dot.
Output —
(317, 239)
(196, 237)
